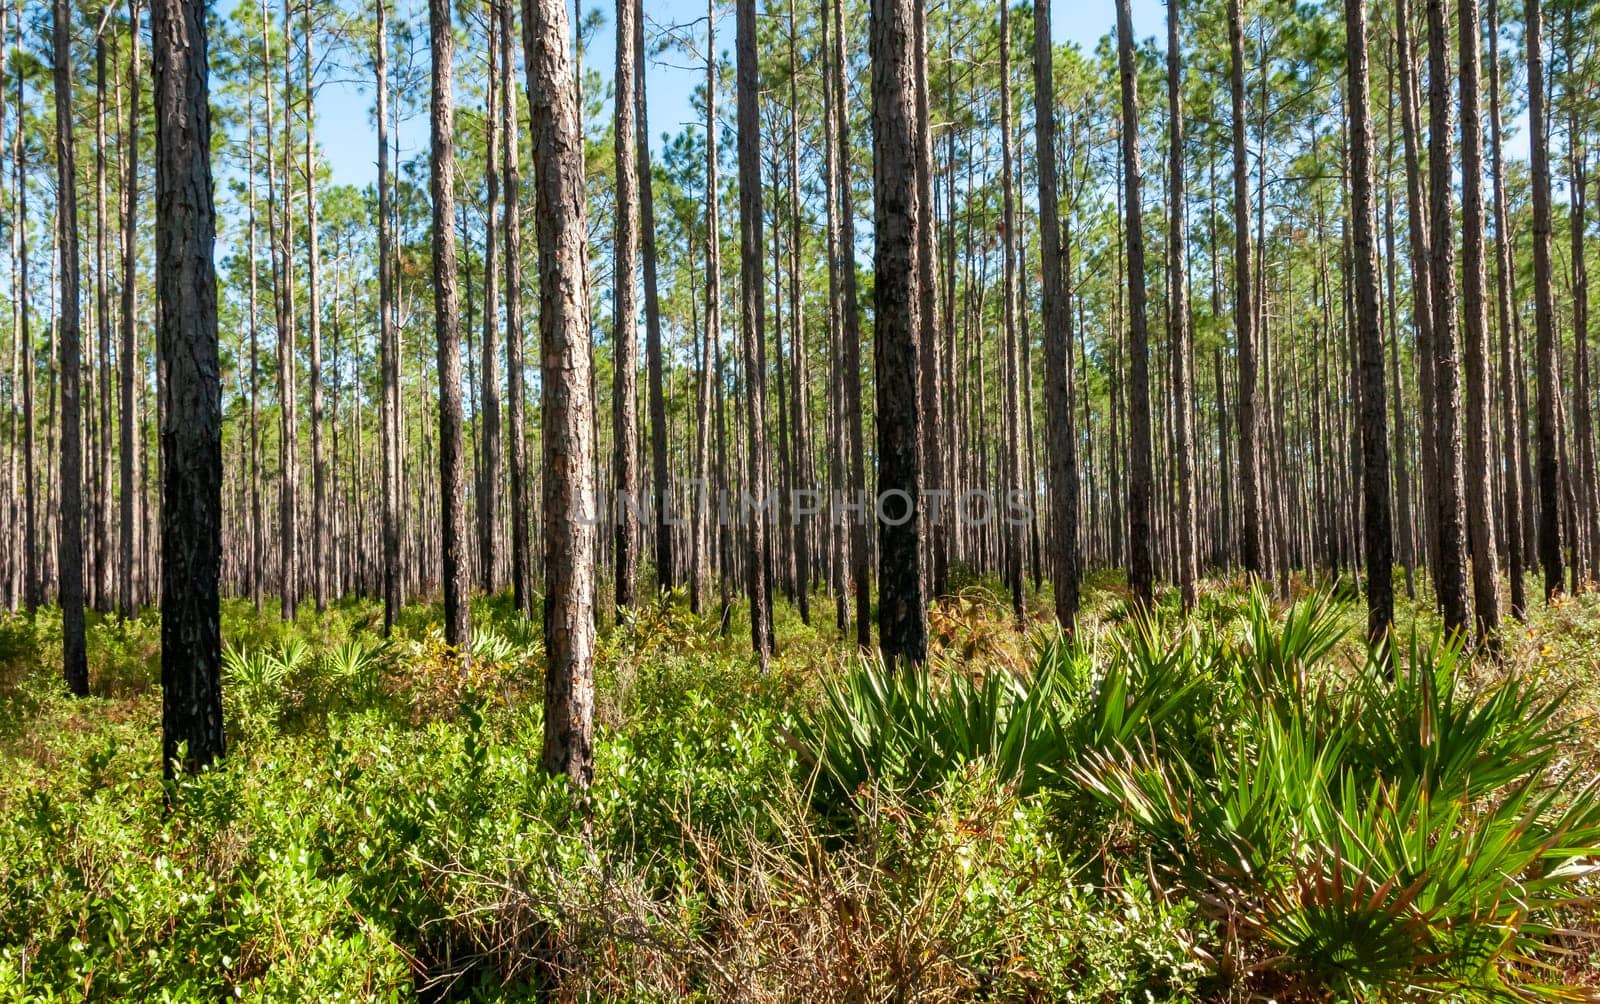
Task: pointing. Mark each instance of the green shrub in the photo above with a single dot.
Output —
(1270, 816)
(1383, 842)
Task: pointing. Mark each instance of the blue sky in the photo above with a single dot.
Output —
(346, 134)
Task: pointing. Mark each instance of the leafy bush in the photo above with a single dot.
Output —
(1270, 817)
(254, 683)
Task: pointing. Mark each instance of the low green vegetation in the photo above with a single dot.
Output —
(1237, 805)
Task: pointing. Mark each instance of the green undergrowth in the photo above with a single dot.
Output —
(1234, 804)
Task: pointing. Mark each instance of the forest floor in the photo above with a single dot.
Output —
(1235, 805)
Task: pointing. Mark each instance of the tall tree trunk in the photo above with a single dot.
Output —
(1244, 315)
(521, 548)
(130, 263)
(102, 311)
(1450, 582)
(10, 565)
(446, 319)
(74, 654)
(1475, 334)
(1421, 274)
(489, 418)
(1369, 334)
(388, 340)
(1511, 379)
(1062, 437)
(751, 323)
(851, 336)
(1140, 489)
(781, 542)
(1402, 475)
(902, 613)
(1584, 485)
(191, 430)
(569, 502)
(661, 478)
(712, 335)
(1178, 333)
(799, 413)
(32, 586)
(321, 541)
(625, 319)
(838, 450)
(257, 523)
(1012, 370)
(283, 313)
(1549, 383)
(933, 443)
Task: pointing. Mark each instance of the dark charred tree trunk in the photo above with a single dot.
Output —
(191, 428)
(902, 612)
(622, 513)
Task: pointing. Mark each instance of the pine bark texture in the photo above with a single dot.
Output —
(752, 322)
(568, 444)
(1369, 333)
(191, 428)
(1449, 489)
(1244, 315)
(1548, 380)
(1062, 448)
(1478, 470)
(902, 613)
(622, 514)
(1141, 571)
(454, 563)
(69, 578)
(1178, 321)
